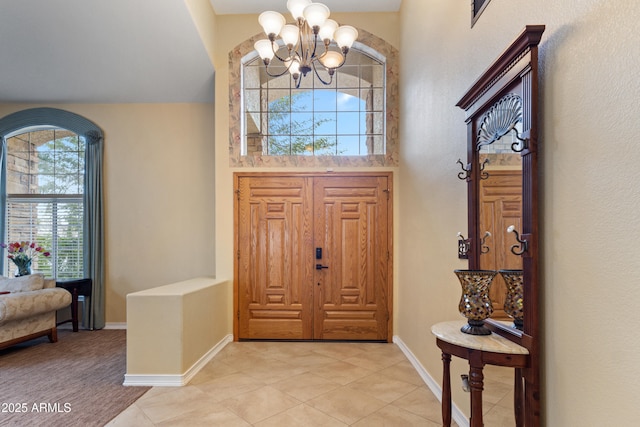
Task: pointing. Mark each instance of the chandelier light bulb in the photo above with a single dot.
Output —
(331, 59)
(345, 35)
(289, 34)
(327, 30)
(296, 7)
(316, 14)
(265, 49)
(271, 22)
(293, 65)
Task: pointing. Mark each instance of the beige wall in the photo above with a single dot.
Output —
(590, 54)
(159, 194)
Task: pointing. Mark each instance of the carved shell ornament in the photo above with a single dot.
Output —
(501, 118)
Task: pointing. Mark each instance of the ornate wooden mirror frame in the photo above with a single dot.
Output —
(503, 100)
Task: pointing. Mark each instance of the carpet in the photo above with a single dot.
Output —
(74, 382)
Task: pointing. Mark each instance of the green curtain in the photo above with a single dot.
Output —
(93, 217)
(93, 226)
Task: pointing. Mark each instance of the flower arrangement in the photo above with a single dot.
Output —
(22, 253)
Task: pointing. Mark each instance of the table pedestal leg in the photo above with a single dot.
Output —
(476, 382)
(518, 398)
(446, 390)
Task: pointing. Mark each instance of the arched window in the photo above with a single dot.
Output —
(350, 122)
(51, 191)
(45, 186)
(344, 118)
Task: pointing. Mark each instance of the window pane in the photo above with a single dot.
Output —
(373, 75)
(283, 82)
(279, 100)
(301, 100)
(252, 100)
(347, 77)
(279, 124)
(325, 145)
(252, 76)
(324, 100)
(279, 146)
(302, 123)
(348, 100)
(349, 145)
(325, 123)
(375, 144)
(302, 145)
(374, 124)
(376, 100)
(348, 123)
(252, 123)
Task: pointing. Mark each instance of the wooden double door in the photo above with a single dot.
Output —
(313, 256)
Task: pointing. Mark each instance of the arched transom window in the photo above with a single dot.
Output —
(349, 122)
(343, 118)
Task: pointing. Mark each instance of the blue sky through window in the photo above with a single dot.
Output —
(337, 118)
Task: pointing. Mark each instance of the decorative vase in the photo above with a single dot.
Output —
(515, 296)
(475, 303)
(24, 268)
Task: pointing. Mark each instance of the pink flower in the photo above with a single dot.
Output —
(24, 250)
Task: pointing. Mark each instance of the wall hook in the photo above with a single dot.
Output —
(483, 248)
(524, 244)
(465, 175)
(463, 246)
(484, 175)
(521, 144)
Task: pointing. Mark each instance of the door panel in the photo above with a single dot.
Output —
(351, 295)
(280, 292)
(500, 205)
(274, 246)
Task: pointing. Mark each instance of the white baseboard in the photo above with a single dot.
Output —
(115, 325)
(457, 415)
(177, 380)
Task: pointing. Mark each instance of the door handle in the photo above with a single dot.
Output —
(320, 266)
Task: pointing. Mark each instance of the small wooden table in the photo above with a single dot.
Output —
(76, 287)
(479, 350)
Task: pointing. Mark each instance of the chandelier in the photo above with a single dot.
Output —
(299, 49)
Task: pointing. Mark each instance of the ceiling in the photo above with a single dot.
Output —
(223, 7)
(117, 51)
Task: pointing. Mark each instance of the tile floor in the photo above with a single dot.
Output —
(306, 384)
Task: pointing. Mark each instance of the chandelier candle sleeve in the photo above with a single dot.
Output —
(313, 42)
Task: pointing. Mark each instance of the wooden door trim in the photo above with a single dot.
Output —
(236, 179)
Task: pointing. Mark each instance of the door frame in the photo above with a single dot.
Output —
(236, 251)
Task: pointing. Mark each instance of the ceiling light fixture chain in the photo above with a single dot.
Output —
(301, 40)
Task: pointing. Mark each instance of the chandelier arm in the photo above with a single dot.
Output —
(275, 53)
(315, 70)
(266, 68)
(315, 47)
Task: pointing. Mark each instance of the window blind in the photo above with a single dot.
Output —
(55, 223)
